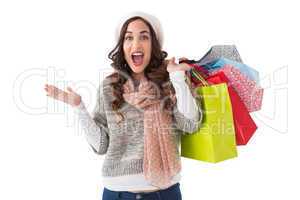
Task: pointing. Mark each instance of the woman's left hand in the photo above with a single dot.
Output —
(172, 66)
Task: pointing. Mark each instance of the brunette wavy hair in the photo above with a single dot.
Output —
(155, 71)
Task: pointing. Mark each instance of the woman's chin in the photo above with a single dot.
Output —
(138, 72)
(137, 68)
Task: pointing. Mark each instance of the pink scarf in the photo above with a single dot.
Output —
(161, 161)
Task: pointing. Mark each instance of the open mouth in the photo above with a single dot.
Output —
(137, 58)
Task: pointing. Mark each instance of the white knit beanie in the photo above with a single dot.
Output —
(153, 21)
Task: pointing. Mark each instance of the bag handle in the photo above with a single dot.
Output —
(195, 72)
(199, 77)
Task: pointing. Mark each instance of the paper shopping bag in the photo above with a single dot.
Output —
(244, 125)
(220, 51)
(250, 93)
(245, 69)
(215, 140)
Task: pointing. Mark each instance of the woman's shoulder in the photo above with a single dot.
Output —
(108, 80)
(105, 88)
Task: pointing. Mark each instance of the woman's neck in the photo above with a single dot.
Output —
(137, 77)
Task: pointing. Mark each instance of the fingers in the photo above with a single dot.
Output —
(182, 59)
(171, 61)
(54, 92)
(186, 66)
(70, 89)
(68, 96)
(48, 89)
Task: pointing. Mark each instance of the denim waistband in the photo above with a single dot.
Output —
(131, 195)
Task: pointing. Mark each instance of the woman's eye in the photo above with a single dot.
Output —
(128, 38)
(145, 37)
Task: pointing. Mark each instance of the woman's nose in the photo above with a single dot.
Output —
(136, 43)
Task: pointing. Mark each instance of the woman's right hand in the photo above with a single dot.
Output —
(69, 96)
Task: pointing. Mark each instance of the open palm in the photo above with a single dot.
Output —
(69, 96)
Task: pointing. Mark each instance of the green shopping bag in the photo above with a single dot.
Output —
(215, 140)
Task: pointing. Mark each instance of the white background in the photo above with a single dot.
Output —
(43, 153)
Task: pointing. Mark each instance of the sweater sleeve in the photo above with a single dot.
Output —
(95, 126)
(187, 113)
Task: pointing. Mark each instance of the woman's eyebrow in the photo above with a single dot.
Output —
(141, 32)
(144, 32)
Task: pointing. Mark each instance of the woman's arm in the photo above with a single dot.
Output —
(187, 113)
(95, 126)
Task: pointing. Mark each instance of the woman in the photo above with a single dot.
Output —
(142, 108)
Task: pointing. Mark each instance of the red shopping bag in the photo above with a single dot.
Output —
(243, 123)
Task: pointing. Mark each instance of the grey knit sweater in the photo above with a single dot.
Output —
(123, 142)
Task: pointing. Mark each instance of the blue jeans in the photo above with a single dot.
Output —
(171, 193)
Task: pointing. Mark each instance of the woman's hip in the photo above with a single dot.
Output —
(173, 192)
